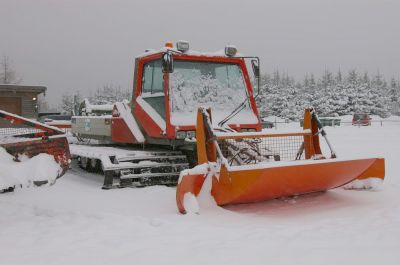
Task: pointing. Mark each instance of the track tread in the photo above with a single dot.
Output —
(131, 173)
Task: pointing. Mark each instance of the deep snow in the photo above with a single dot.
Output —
(40, 168)
(75, 222)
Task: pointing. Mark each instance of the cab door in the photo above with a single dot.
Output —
(150, 103)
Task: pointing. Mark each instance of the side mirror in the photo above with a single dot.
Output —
(255, 64)
(256, 68)
(167, 63)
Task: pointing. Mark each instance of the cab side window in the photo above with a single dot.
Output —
(152, 82)
(153, 86)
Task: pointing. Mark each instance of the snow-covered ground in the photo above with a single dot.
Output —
(75, 222)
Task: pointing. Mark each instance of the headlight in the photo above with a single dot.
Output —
(180, 135)
(230, 50)
(191, 134)
(182, 46)
(248, 130)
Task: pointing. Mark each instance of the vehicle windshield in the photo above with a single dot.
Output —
(360, 116)
(220, 86)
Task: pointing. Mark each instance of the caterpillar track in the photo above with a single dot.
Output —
(130, 167)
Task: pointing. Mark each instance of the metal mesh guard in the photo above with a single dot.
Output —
(246, 151)
(12, 132)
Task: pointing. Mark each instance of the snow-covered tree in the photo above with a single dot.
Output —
(109, 94)
(330, 94)
(280, 96)
(394, 96)
(70, 102)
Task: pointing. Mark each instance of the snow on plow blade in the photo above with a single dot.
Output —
(251, 167)
(23, 138)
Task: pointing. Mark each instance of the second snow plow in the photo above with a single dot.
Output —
(24, 139)
(256, 166)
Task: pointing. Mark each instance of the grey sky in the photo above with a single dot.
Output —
(81, 44)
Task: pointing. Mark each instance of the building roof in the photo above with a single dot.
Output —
(19, 88)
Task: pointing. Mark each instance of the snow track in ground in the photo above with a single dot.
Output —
(75, 222)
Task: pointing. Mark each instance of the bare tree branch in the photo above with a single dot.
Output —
(7, 73)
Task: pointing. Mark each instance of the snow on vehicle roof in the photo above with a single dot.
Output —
(91, 107)
(219, 53)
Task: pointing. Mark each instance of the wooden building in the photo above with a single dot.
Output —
(21, 100)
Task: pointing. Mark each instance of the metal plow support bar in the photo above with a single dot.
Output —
(251, 167)
(21, 136)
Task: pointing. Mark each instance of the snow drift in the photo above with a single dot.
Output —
(39, 169)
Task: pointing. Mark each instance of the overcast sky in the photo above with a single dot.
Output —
(83, 44)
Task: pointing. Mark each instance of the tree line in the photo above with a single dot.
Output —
(330, 94)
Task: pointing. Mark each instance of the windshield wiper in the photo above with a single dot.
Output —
(233, 113)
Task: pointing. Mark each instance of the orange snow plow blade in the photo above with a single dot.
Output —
(251, 167)
(21, 136)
